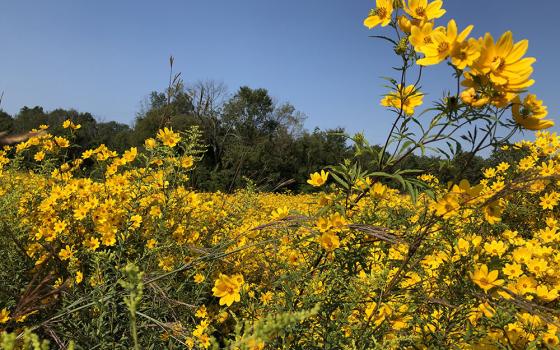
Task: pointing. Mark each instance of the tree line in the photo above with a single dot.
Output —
(248, 137)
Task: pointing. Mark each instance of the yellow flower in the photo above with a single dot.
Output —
(329, 241)
(318, 179)
(79, 277)
(530, 113)
(381, 15)
(204, 340)
(266, 298)
(228, 288)
(526, 284)
(187, 162)
(61, 142)
(378, 189)
(503, 166)
(465, 53)
(201, 312)
(421, 10)
(537, 266)
(39, 156)
(512, 270)
(130, 155)
(443, 43)
(66, 253)
(166, 263)
(486, 280)
(551, 340)
(4, 316)
(280, 213)
(168, 137)
(135, 221)
(502, 61)
(522, 255)
(150, 143)
(405, 24)
(447, 206)
(222, 317)
(493, 212)
(549, 200)
(495, 248)
(92, 243)
(255, 344)
(199, 278)
(546, 294)
(69, 124)
(487, 310)
(151, 243)
(420, 36)
(59, 226)
(405, 99)
(463, 246)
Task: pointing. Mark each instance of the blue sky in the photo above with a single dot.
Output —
(105, 56)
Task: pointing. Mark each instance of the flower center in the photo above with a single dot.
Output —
(381, 12)
(498, 63)
(443, 47)
(420, 12)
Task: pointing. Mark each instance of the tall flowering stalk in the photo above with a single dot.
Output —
(483, 109)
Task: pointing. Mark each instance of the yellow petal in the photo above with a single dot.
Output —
(505, 44)
(465, 33)
(452, 30)
(518, 50)
(372, 21)
(493, 275)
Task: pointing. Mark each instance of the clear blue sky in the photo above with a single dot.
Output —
(105, 56)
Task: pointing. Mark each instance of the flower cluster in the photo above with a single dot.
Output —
(494, 72)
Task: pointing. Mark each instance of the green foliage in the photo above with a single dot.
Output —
(249, 136)
(28, 341)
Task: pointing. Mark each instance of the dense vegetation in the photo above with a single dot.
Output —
(247, 138)
(112, 244)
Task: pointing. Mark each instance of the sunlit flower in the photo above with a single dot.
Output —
(486, 280)
(443, 43)
(228, 288)
(530, 113)
(405, 99)
(421, 10)
(381, 15)
(318, 179)
(168, 137)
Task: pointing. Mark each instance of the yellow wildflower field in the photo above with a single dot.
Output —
(116, 250)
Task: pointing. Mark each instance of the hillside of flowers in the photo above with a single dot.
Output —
(118, 251)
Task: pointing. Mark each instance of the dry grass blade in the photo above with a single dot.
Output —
(6, 139)
(292, 219)
(380, 233)
(36, 295)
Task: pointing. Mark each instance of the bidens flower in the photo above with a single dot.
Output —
(421, 10)
(530, 113)
(4, 315)
(420, 36)
(318, 179)
(227, 288)
(381, 15)
(406, 99)
(443, 43)
(486, 280)
(168, 137)
(504, 63)
(329, 241)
